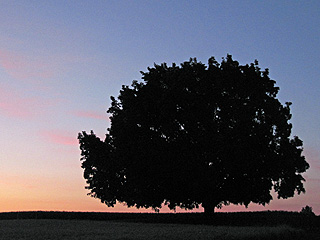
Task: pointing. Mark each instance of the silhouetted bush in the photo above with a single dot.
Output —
(307, 211)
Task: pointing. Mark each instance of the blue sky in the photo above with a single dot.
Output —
(60, 61)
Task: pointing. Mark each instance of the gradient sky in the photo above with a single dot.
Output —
(60, 61)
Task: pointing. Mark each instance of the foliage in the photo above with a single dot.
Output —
(307, 211)
(195, 134)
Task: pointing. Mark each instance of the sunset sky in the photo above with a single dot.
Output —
(60, 61)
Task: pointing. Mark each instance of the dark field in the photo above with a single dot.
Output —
(75, 225)
(86, 229)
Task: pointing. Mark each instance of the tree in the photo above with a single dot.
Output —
(307, 211)
(195, 134)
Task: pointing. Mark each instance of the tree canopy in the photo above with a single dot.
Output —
(193, 135)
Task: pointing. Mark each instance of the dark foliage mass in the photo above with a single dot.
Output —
(307, 211)
(195, 134)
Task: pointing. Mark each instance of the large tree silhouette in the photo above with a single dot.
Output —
(195, 134)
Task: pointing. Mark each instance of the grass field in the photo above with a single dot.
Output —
(89, 229)
(219, 226)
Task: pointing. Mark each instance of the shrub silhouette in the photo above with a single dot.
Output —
(307, 211)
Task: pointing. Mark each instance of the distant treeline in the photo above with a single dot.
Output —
(265, 218)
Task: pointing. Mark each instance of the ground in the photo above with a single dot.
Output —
(219, 226)
(89, 229)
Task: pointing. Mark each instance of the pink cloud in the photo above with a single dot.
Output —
(13, 104)
(59, 137)
(23, 67)
(313, 158)
(312, 179)
(91, 114)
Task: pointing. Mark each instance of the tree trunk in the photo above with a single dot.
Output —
(208, 208)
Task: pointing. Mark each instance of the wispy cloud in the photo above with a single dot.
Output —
(91, 114)
(313, 157)
(312, 179)
(59, 137)
(21, 66)
(14, 104)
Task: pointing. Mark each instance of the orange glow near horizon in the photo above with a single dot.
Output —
(50, 196)
(55, 183)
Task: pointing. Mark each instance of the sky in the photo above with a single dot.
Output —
(60, 61)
